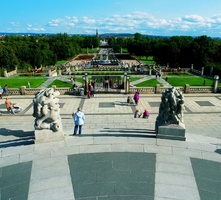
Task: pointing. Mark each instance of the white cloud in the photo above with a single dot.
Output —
(131, 23)
(15, 23)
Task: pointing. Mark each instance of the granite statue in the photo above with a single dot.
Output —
(171, 107)
(47, 110)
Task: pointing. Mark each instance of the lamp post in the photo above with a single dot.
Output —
(125, 79)
(86, 82)
(127, 84)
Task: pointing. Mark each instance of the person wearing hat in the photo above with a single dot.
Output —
(79, 118)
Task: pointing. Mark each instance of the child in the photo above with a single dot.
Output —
(128, 100)
(137, 114)
(146, 114)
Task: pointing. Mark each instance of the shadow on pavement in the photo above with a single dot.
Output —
(218, 151)
(117, 135)
(20, 138)
(144, 133)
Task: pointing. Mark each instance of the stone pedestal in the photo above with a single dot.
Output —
(46, 135)
(171, 132)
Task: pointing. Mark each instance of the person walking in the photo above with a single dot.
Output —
(6, 90)
(136, 98)
(128, 100)
(79, 118)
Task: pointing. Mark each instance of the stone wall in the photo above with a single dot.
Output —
(11, 73)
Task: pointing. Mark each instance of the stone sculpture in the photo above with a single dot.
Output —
(47, 110)
(171, 107)
(170, 122)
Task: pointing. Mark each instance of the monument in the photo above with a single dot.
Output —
(46, 110)
(104, 59)
(169, 122)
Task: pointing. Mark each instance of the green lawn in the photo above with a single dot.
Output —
(193, 81)
(60, 84)
(149, 83)
(17, 82)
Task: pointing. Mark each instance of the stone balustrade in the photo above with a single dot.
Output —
(143, 90)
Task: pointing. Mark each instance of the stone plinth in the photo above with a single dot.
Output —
(46, 135)
(171, 132)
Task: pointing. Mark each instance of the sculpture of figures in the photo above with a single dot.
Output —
(171, 107)
(47, 110)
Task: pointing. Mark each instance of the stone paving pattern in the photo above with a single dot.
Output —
(117, 157)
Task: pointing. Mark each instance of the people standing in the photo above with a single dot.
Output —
(1, 92)
(79, 118)
(128, 100)
(89, 91)
(136, 98)
(29, 85)
(5, 89)
(92, 90)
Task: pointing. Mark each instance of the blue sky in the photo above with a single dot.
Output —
(152, 17)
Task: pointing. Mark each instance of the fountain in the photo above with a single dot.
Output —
(104, 59)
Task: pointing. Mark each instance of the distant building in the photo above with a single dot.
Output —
(97, 35)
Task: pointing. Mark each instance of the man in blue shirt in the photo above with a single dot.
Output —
(79, 118)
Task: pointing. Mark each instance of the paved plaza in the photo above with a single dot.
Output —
(118, 157)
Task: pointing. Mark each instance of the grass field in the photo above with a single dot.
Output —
(60, 84)
(17, 82)
(35, 82)
(193, 81)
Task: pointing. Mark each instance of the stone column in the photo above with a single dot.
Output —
(157, 89)
(127, 85)
(23, 90)
(215, 83)
(191, 66)
(54, 87)
(125, 80)
(186, 88)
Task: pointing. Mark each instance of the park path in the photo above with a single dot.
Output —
(51, 79)
(146, 78)
(67, 79)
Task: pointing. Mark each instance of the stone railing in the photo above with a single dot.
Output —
(185, 89)
(205, 89)
(143, 90)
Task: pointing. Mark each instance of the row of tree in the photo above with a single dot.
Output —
(177, 51)
(27, 52)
